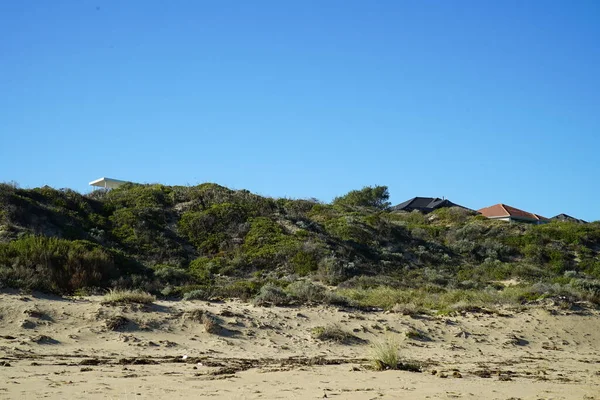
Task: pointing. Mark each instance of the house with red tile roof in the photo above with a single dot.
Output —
(503, 212)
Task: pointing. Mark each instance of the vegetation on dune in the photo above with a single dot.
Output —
(375, 197)
(271, 295)
(127, 297)
(334, 333)
(62, 266)
(214, 242)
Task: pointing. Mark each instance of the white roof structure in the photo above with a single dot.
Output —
(107, 183)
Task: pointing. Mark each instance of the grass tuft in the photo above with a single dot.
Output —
(194, 315)
(210, 324)
(410, 309)
(116, 296)
(333, 333)
(416, 334)
(116, 322)
(385, 354)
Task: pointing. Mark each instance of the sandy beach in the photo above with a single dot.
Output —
(79, 348)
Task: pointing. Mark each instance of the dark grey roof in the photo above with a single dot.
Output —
(414, 203)
(436, 203)
(426, 204)
(568, 218)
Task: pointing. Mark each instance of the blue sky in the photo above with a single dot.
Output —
(478, 101)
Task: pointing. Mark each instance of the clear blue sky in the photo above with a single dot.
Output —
(478, 101)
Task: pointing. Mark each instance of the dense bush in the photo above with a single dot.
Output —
(244, 290)
(197, 294)
(228, 243)
(308, 292)
(168, 274)
(369, 196)
(203, 268)
(271, 295)
(350, 228)
(58, 265)
(266, 243)
(214, 229)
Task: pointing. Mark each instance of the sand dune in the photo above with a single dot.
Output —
(79, 348)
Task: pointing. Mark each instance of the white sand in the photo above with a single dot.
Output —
(269, 353)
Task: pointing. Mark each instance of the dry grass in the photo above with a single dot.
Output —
(210, 324)
(454, 300)
(127, 297)
(410, 309)
(416, 334)
(385, 354)
(193, 315)
(116, 322)
(334, 333)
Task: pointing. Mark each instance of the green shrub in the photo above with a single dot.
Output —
(568, 232)
(51, 212)
(411, 219)
(332, 271)
(530, 272)
(180, 291)
(145, 232)
(297, 209)
(307, 292)
(369, 196)
(197, 294)
(58, 265)
(304, 263)
(243, 290)
(382, 296)
(139, 196)
(266, 244)
(169, 274)
(321, 213)
(203, 268)
(271, 295)
(454, 215)
(212, 230)
(350, 228)
(589, 289)
(169, 291)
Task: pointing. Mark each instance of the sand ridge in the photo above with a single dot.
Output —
(57, 348)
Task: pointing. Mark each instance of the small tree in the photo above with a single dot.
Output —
(376, 197)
